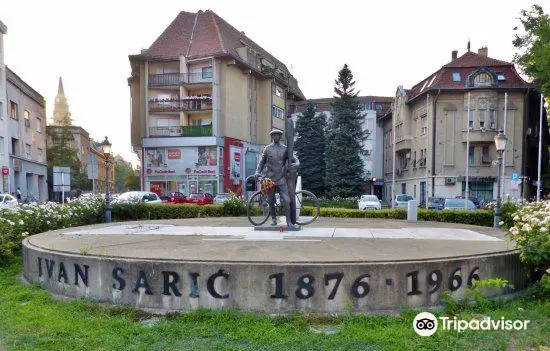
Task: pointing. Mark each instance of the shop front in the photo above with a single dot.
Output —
(187, 170)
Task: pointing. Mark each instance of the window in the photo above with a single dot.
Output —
(482, 116)
(456, 77)
(27, 116)
(14, 147)
(28, 150)
(40, 155)
(414, 159)
(277, 90)
(492, 119)
(1, 110)
(471, 156)
(378, 107)
(485, 156)
(424, 120)
(500, 76)
(403, 191)
(207, 72)
(1, 145)
(13, 110)
(196, 122)
(38, 125)
(277, 112)
(414, 192)
(470, 120)
(483, 79)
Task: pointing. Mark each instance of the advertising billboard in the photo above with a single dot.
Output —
(181, 160)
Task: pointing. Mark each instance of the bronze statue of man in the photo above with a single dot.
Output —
(276, 162)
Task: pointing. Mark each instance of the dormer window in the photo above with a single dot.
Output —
(456, 77)
(482, 79)
(500, 76)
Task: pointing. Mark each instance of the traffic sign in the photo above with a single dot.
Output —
(515, 176)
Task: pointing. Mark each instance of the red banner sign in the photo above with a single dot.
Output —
(5, 171)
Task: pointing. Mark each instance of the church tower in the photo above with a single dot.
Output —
(61, 114)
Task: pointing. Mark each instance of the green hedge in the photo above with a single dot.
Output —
(340, 203)
(478, 217)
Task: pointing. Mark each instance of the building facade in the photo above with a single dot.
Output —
(466, 102)
(99, 177)
(27, 139)
(4, 135)
(373, 107)
(204, 97)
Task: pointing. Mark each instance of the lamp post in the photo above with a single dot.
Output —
(500, 144)
(106, 148)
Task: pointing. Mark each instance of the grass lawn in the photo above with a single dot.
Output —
(31, 320)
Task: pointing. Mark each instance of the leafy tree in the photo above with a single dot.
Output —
(533, 46)
(344, 140)
(131, 182)
(61, 152)
(310, 149)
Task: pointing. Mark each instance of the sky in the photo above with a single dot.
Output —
(385, 43)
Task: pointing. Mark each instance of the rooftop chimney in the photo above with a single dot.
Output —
(454, 55)
(483, 51)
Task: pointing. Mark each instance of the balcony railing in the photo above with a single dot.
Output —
(165, 79)
(176, 79)
(177, 105)
(181, 131)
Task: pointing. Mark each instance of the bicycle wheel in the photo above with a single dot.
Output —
(307, 198)
(257, 208)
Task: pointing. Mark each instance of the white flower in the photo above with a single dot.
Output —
(543, 230)
(21, 222)
(526, 227)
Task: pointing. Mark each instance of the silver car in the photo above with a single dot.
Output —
(221, 198)
(369, 202)
(402, 201)
(459, 204)
(138, 196)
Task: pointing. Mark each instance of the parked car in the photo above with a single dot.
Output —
(434, 203)
(458, 204)
(221, 198)
(401, 201)
(173, 198)
(369, 202)
(138, 196)
(200, 198)
(8, 201)
(472, 198)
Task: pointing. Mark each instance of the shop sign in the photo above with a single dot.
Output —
(181, 161)
(235, 163)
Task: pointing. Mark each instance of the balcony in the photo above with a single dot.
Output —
(181, 131)
(403, 143)
(165, 80)
(188, 104)
(177, 79)
(480, 135)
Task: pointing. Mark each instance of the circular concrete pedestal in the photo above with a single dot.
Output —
(335, 266)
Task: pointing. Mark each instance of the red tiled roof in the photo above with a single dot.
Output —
(204, 33)
(465, 66)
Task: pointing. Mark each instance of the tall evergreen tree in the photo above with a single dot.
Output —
(310, 149)
(344, 166)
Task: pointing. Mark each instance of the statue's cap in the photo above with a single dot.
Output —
(276, 131)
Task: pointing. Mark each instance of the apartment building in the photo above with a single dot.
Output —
(4, 155)
(373, 107)
(26, 138)
(466, 101)
(204, 97)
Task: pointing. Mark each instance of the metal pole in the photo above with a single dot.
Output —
(496, 220)
(62, 188)
(426, 155)
(393, 162)
(467, 155)
(504, 131)
(540, 148)
(107, 195)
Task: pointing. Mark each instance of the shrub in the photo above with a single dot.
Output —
(347, 213)
(531, 231)
(234, 206)
(350, 203)
(478, 217)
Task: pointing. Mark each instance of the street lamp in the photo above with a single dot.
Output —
(106, 148)
(500, 144)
